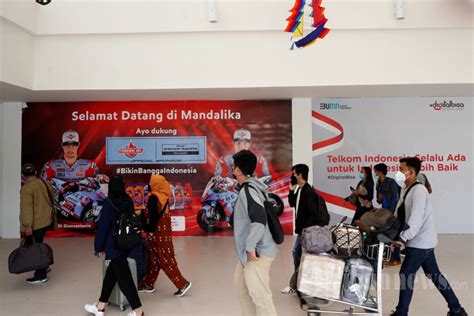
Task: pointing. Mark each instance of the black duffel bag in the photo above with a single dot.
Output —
(30, 257)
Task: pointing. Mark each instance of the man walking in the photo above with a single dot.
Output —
(303, 198)
(419, 239)
(36, 213)
(254, 243)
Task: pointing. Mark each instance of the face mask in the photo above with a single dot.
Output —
(376, 177)
(400, 177)
(293, 180)
(361, 176)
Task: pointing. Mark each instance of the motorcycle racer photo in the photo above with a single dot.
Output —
(70, 167)
(77, 182)
(242, 141)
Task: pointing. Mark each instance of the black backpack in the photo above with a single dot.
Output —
(323, 214)
(272, 218)
(127, 230)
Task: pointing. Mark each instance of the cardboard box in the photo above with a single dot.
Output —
(320, 276)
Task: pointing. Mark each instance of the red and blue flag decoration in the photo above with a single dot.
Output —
(304, 32)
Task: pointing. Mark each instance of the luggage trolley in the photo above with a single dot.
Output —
(373, 308)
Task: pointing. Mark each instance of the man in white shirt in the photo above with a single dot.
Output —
(419, 239)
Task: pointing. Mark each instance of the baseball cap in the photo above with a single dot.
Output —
(242, 134)
(70, 137)
(28, 168)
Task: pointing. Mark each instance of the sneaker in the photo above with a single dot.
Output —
(36, 280)
(288, 290)
(461, 312)
(92, 308)
(132, 313)
(146, 289)
(393, 263)
(395, 313)
(182, 292)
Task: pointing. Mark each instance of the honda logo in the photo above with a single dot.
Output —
(43, 2)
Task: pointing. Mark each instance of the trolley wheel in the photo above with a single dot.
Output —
(122, 307)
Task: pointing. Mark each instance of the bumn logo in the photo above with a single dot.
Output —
(438, 106)
(43, 2)
(333, 106)
(131, 151)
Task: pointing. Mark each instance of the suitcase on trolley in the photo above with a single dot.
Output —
(356, 282)
(117, 297)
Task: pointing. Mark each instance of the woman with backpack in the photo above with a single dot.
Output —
(118, 270)
(159, 240)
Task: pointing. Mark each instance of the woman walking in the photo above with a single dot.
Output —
(159, 241)
(118, 270)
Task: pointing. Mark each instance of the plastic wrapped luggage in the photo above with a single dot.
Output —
(117, 297)
(320, 276)
(357, 279)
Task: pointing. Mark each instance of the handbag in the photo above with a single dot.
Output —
(316, 239)
(346, 240)
(30, 257)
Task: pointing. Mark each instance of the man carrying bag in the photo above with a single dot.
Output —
(37, 216)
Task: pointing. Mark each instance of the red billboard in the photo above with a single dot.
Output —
(78, 145)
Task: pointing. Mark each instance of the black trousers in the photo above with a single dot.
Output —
(119, 272)
(38, 236)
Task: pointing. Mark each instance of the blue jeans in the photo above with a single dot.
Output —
(297, 252)
(424, 258)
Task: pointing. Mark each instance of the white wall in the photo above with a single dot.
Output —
(164, 44)
(16, 63)
(17, 28)
(10, 163)
(169, 16)
(23, 13)
(302, 131)
(251, 59)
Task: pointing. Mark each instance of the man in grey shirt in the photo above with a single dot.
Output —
(253, 241)
(419, 239)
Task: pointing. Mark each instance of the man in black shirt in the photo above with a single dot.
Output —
(303, 198)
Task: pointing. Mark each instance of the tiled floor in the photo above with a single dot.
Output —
(209, 263)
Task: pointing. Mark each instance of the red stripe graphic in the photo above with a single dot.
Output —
(332, 199)
(332, 140)
(336, 200)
